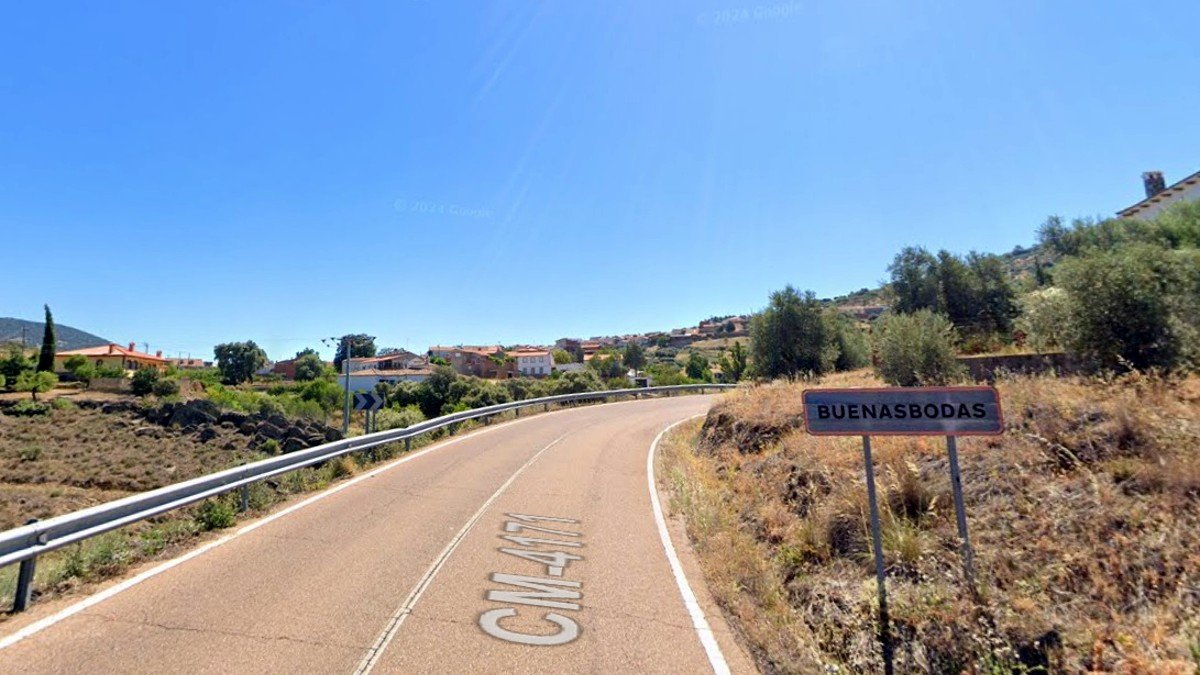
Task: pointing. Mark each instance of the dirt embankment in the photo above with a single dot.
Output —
(1085, 517)
(92, 452)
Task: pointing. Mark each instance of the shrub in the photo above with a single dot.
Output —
(143, 381)
(398, 418)
(165, 387)
(216, 514)
(63, 404)
(1133, 307)
(916, 349)
(26, 407)
(109, 372)
(36, 382)
(1043, 319)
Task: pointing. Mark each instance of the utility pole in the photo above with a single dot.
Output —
(346, 369)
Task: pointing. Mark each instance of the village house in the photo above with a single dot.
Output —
(113, 356)
(1159, 195)
(533, 362)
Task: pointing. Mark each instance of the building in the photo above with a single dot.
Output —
(533, 362)
(366, 379)
(397, 360)
(189, 363)
(113, 356)
(479, 361)
(570, 367)
(1159, 195)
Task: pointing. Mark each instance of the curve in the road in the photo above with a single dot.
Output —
(540, 531)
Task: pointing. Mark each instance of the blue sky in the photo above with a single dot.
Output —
(441, 172)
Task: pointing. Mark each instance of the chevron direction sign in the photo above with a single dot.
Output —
(367, 400)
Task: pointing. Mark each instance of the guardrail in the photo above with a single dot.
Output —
(24, 544)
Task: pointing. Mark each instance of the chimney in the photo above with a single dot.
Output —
(132, 345)
(1153, 180)
(158, 353)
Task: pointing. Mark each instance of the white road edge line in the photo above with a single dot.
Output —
(96, 598)
(709, 641)
(393, 626)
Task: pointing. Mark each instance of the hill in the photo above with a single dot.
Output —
(1020, 262)
(68, 337)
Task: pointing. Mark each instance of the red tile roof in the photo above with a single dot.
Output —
(112, 350)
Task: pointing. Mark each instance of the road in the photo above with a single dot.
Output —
(407, 569)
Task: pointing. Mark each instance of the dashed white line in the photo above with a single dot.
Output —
(101, 596)
(709, 641)
(397, 619)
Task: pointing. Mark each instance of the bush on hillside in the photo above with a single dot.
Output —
(916, 349)
(165, 386)
(790, 337)
(1134, 307)
(143, 381)
(398, 418)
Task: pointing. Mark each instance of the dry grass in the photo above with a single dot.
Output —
(79, 457)
(1085, 517)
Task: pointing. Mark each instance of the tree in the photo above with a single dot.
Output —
(1136, 306)
(562, 356)
(237, 361)
(1044, 317)
(45, 362)
(697, 367)
(362, 346)
(309, 365)
(789, 338)
(36, 382)
(849, 342)
(14, 363)
(634, 357)
(733, 362)
(994, 300)
(607, 365)
(75, 362)
(914, 280)
(916, 349)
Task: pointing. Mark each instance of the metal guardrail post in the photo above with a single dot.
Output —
(244, 498)
(453, 427)
(25, 580)
(408, 444)
(545, 407)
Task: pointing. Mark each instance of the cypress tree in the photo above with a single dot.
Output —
(46, 358)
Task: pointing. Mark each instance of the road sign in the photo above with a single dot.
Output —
(912, 411)
(368, 400)
(926, 411)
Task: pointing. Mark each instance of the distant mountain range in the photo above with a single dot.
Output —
(68, 338)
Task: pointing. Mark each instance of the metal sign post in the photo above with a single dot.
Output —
(960, 514)
(916, 411)
(885, 632)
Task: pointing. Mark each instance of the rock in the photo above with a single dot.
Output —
(119, 407)
(248, 427)
(314, 440)
(230, 445)
(228, 426)
(236, 419)
(293, 444)
(194, 413)
(153, 432)
(207, 433)
(277, 420)
(332, 435)
(271, 431)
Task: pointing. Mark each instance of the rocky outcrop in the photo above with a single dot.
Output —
(209, 424)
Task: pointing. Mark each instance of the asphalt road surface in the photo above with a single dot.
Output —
(531, 546)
